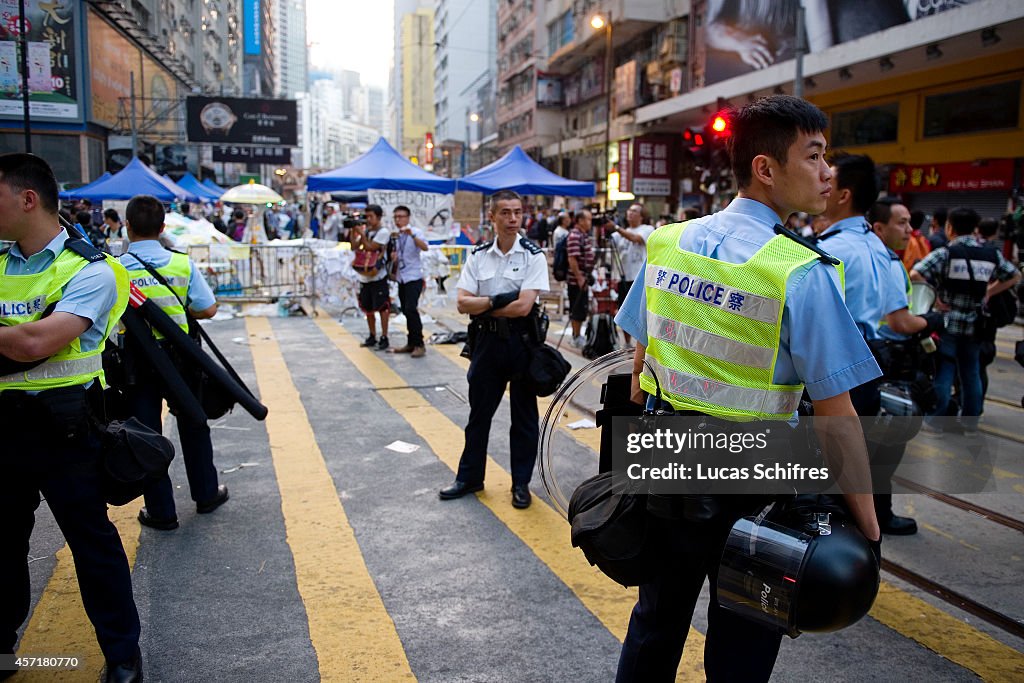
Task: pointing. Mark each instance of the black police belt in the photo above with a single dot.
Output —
(503, 327)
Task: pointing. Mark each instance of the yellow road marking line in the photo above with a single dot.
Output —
(351, 631)
(59, 624)
(539, 526)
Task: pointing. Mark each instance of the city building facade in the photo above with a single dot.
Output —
(416, 68)
(291, 55)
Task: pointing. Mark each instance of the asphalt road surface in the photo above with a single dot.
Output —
(335, 559)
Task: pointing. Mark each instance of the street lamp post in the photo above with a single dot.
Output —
(470, 117)
(598, 22)
(25, 94)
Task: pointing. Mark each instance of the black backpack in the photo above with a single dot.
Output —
(560, 264)
(601, 336)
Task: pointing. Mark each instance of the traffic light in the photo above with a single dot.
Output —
(694, 138)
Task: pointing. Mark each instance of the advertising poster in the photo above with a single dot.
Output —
(741, 36)
(431, 212)
(112, 60)
(242, 121)
(549, 90)
(53, 91)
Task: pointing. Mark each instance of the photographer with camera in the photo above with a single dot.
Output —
(374, 293)
(631, 245)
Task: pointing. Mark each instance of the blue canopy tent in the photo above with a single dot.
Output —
(189, 195)
(517, 171)
(381, 168)
(190, 183)
(73, 194)
(210, 185)
(134, 179)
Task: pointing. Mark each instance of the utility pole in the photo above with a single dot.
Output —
(801, 48)
(135, 130)
(24, 77)
(608, 111)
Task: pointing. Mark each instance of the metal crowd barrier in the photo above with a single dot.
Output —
(247, 273)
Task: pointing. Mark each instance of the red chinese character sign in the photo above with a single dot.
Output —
(652, 165)
(993, 175)
(625, 166)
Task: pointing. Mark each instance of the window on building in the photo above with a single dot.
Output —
(990, 107)
(867, 126)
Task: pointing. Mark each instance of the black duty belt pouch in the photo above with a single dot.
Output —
(133, 454)
(547, 369)
(615, 532)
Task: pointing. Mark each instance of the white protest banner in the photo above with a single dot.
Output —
(431, 212)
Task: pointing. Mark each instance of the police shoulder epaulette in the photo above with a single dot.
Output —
(183, 253)
(893, 256)
(530, 246)
(4, 248)
(85, 250)
(483, 246)
(823, 256)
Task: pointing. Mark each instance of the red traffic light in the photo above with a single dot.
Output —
(720, 126)
(693, 137)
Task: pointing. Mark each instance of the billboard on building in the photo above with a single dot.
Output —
(52, 83)
(241, 121)
(252, 26)
(112, 60)
(741, 36)
(276, 156)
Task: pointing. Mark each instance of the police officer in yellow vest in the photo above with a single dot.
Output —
(59, 300)
(144, 219)
(736, 319)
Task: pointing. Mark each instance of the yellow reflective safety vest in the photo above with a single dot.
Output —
(24, 298)
(177, 273)
(714, 327)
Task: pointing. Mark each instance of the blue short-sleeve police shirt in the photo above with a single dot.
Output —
(90, 294)
(820, 344)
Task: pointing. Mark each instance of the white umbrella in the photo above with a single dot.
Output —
(251, 193)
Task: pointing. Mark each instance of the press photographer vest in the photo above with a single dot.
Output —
(177, 273)
(713, 327)
(968, 271)
(24, 298)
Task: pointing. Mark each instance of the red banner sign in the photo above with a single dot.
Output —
(652, 165)
(993, 175)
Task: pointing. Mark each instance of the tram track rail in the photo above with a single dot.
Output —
(1004, 622)
(960, 503)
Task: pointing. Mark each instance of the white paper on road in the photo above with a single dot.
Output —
(582, 424)
(402, 447)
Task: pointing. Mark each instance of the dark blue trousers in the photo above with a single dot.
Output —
(498, 362)
(735, 649)
(68, 477)
(409, 299)
(146, 400)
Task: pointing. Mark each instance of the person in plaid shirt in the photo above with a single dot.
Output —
(965, 274)
(580, 249)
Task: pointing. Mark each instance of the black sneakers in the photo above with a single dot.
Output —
(369, 341)
(383, 344)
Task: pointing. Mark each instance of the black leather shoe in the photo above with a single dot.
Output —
(216, 502)
(521, 496)
(458, 489)
(125, 672)
(899, 526)
(161, 523)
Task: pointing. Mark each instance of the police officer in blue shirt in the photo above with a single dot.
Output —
(498, 287)
(47, 412)
(777, 150)
(875, 292)
(144, 219)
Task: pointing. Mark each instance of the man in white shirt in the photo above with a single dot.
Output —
(374, 294)
(631, 245)
(410, 242)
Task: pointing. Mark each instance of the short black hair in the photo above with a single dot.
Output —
(940, 216)
(502, 196)
(988, 227)
(111, 214)
(83, 218)
(769, 126)
(963, 220)
(375, 208)
(856, 173)
(145, 215)
(21, 171)
(916, 219)
(238, 214)
(881, 211)
(400, 207)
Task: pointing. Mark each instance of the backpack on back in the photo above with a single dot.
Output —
(560, 264)
(601, 336)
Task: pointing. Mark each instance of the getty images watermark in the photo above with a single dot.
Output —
(704, 455)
